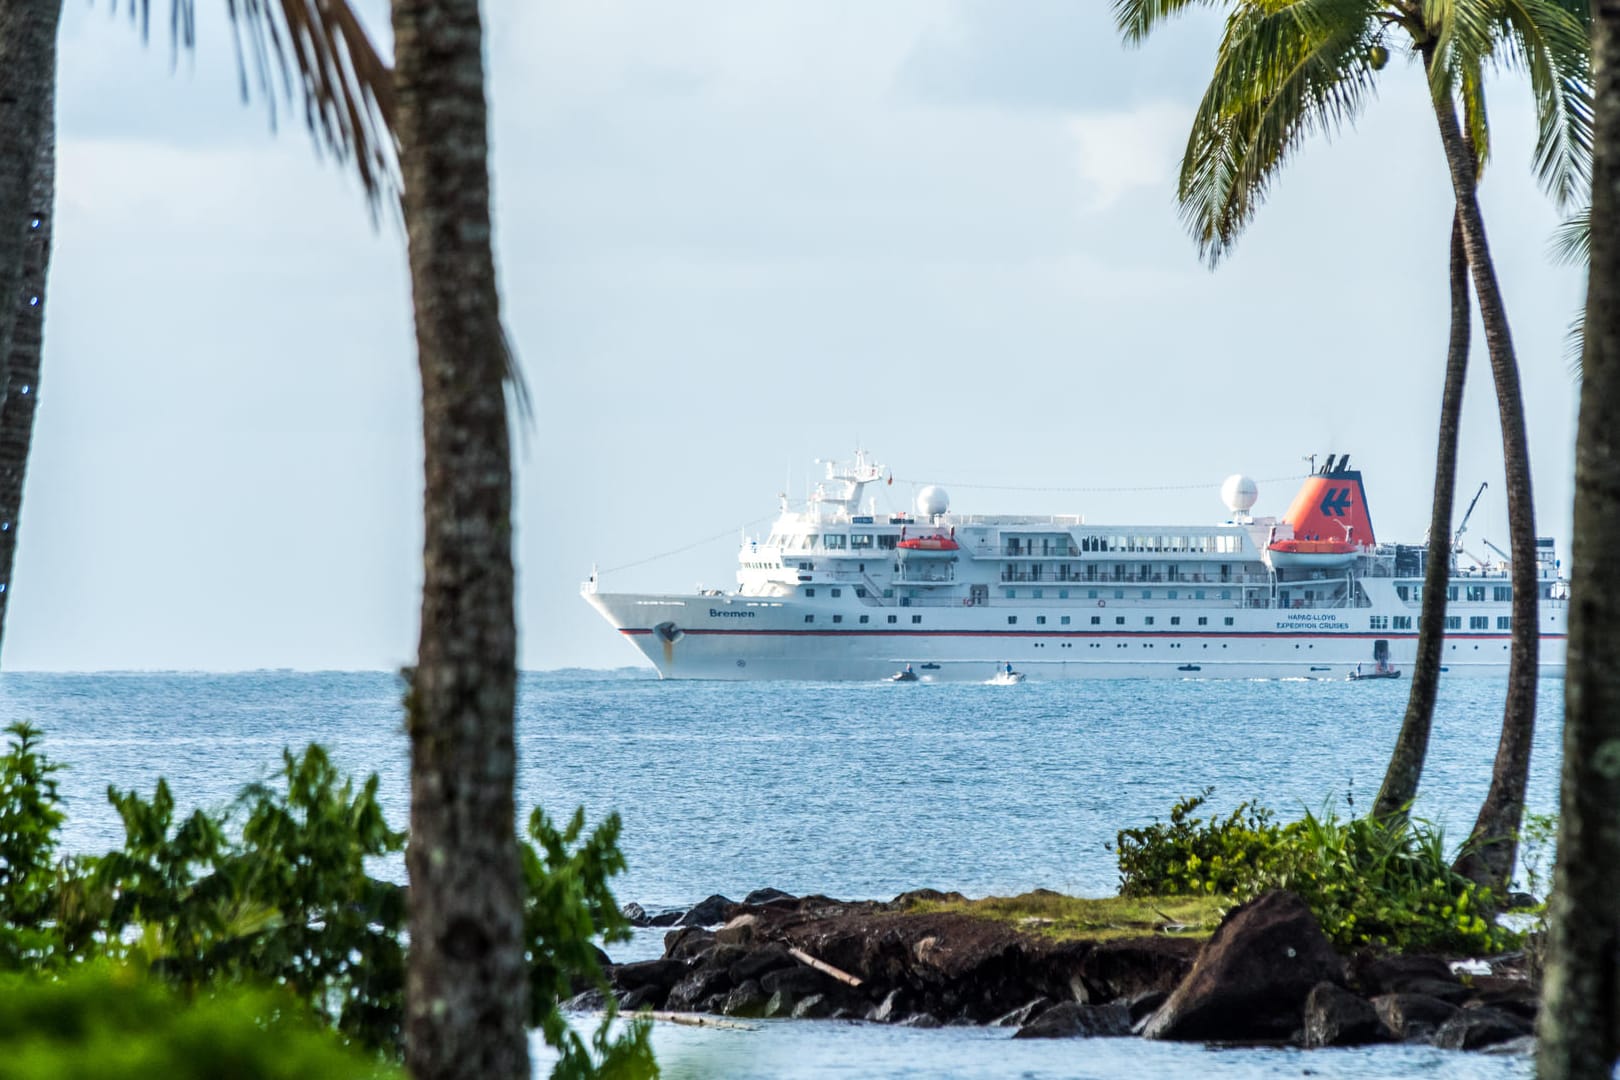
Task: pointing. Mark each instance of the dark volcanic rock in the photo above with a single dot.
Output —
(1126, 968)
(798, 981)
(1023, 1014)
(710, 912)
(1472, 1029)
(1412, 1016)
(814, 1007)
(1073, 1020)
(921, 1020)
(696, 988)
(1252, 977)
(747, 1000)
(666, 918)
(738, 931)
(1146, 1004)
(767, 896)
(889, 1009)
(1375, 975)
(755, 963)
(1336, 1017)
(687, 942)
(642, 997)
(592, 1000)
(660, 973)
(779, 1004)
(635, 914)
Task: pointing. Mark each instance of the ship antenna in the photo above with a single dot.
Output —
(1312, 459)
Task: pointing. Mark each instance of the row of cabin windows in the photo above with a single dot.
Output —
(865, 618)
(1500, 594)
(1479, 622)
(1117, 572)
(1119, 594)
(1221, 543)
(1119, 620)
(836, 542)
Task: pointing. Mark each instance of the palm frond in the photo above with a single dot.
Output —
(1284, 71)
(320, 50)
(1552, 39)
(1476, 121)
(1136, 19)
(1572, 240)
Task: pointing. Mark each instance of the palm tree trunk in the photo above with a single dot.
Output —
(1579, 1036)
(1412, 744)
(27, 344)
(466, 988)
(27, 77)
(1493, 844)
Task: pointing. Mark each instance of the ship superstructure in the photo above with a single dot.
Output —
(835, 591)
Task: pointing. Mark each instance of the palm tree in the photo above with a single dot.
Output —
(1580, 996)
(466, 987)
(1412, 743)
(314, 47)
(1288, 68)
(27, 82)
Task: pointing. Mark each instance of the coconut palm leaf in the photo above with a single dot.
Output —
(1137, 18)
(1283, 72)
(319, 50)
(1551, 41)
(1572, 240)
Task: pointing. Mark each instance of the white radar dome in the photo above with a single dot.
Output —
(932, 501)
(1239, 493)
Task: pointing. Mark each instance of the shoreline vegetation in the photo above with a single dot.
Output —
(1231, 927)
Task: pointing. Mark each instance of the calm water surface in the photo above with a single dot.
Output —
(850, 790)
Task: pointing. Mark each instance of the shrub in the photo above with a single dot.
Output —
(1193, 856)
(113, 1024)
(274, 892)
(1369, 882)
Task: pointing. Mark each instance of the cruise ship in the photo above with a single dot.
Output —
(838, 591)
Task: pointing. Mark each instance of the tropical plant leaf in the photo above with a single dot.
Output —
(1137, 18)
(318, 50)
(1284, 71)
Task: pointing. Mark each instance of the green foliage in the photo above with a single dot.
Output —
(1369, 882)
(1385, 883)
(113, 1024)
(1194, 856)
(286, 901)
(274, 893)
(30, 815)
(567, 906)
(1538, 844)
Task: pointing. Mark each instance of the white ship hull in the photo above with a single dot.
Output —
(727, 638)
(838, 592)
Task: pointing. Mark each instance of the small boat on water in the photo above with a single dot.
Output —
(1006, 676)
(904, 675)
(1378, 673)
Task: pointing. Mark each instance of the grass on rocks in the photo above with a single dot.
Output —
(1067, 918)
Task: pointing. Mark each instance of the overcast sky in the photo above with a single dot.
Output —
(732, 237)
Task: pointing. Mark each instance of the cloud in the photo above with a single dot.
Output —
(1119, 152)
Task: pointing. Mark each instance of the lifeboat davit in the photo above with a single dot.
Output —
(930, 543)
(1312, 554)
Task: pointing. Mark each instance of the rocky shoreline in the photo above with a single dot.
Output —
(1266, 976)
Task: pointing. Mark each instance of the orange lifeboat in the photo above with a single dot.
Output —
(1316, 554)
(936, 542)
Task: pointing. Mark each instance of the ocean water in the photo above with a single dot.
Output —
(851, 790)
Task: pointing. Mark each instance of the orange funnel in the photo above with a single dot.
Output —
(1331, 502)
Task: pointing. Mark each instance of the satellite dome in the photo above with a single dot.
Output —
(1239, 493)
(932, 501)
